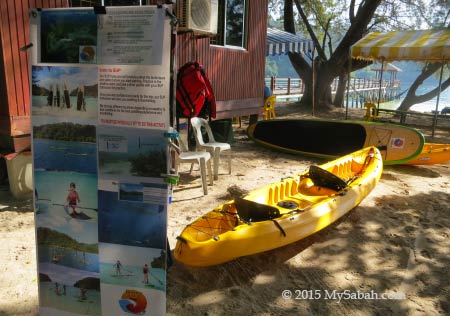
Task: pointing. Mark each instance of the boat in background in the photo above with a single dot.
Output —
(432, 154)
(280, 213)
(331, 139)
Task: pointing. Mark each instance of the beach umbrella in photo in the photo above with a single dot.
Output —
(89, 283)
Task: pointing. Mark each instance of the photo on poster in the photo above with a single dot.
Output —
(131, 152)
(66, 194)
(68, 264)
(69, 290)
(67, 243)
(65, 147)
(133, 266)
(66, 36)
(131, 192)
(131, 223)
(154, 193)
(67, 93)
(127, 300)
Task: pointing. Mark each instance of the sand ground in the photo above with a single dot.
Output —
(395, 244)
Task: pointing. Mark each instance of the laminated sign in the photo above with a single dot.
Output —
(100, 110)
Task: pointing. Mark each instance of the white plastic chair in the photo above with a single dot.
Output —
(201, 157)
(212, 146)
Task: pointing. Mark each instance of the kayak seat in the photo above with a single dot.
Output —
(250, 211)
(324, 178)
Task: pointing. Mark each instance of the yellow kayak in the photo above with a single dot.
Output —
(432, 154)
(280, 213)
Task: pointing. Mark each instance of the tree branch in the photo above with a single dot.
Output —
(289, 25)
(352, 11)
(310, 30)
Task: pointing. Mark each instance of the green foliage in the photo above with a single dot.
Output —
(66, 132)
(271, 68)
(50, 237)
(151, 164)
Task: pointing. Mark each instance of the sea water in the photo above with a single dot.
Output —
(69, 257)
(424, 107)
(408, 74)
(61, 155)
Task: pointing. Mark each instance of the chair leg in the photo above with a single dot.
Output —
(216, 155)
(203, 175)
(229, 161)
(208, 163)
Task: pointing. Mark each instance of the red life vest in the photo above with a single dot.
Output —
(194, 91)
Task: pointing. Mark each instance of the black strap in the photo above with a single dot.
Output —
(279, 227)
(184, 241)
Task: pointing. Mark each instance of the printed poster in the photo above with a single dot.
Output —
(125, 38)
(99, 156)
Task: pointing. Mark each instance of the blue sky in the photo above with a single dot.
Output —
(46, 76)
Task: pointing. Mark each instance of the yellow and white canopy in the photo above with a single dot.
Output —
(419, 45)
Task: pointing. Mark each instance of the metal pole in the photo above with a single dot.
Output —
(313, 80)
(349, 71)
(381, 81)
(437, 99)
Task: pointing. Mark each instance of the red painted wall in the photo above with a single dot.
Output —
(14, 64)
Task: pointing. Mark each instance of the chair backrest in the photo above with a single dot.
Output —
(269, 103)
(198, 125)
(178, 144)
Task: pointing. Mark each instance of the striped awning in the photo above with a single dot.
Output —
(421, 45)
(280, 42)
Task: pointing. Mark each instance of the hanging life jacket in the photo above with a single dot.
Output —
(194, 91)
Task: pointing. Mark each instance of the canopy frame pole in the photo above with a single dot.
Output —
(437, 99)
(349, 78)
(381, 82)
(313, 80)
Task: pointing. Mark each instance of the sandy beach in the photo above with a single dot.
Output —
(388, 256)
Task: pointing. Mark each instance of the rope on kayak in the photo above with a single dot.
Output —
(207, 228)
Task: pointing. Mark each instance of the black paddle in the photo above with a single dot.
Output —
(84, 208)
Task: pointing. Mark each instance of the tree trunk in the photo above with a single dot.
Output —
(340, 92)
(322, 88)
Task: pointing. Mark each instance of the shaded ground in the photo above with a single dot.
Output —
(395, 242)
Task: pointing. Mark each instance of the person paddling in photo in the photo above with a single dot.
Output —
(145, 272)
(72, 200)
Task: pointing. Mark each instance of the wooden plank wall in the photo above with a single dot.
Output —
(14, 64)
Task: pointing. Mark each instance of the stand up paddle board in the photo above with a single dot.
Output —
(331, 139)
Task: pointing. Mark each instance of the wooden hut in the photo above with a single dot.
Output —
(236, 70)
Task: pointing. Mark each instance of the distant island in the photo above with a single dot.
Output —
(159, 262)
(66, 132)
(50, 237)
